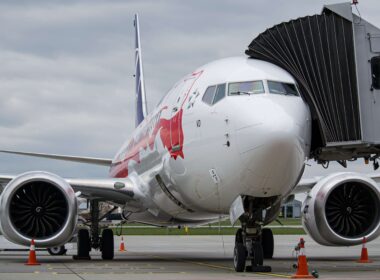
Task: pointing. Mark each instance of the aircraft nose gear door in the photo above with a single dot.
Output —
(176, 129)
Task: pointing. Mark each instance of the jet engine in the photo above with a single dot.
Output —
(40, 206)
(341, 209)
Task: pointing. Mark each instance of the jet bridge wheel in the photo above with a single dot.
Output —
(267, 242)
(107, 244)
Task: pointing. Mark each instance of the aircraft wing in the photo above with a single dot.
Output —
(306, 184)
(114, 190)
(4, 179)
(90, 160)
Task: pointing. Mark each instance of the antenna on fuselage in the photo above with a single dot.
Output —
(141, 106)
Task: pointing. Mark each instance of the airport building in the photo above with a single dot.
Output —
(291, 209)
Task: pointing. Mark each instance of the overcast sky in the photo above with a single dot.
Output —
(66, 82)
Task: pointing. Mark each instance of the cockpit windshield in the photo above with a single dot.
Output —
(282, 88)
(252, 87)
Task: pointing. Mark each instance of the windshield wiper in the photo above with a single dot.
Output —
(290, 93)
(241, 92)
(275, 91)
(282, 92)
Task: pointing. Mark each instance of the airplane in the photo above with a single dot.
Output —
(229, 139)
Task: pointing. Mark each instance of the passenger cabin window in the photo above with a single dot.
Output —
(214, 94)
(282, 88)
(252, 87)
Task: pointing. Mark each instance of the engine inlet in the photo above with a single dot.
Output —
(38, 209)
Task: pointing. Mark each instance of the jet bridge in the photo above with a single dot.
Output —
(335, 59)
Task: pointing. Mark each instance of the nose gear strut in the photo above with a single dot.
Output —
(252, 242)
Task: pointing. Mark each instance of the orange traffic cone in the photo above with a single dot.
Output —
(122, 247)
(302, 269)
(364, 254)
(32, 255)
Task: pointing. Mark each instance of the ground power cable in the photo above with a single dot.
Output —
(220, 220)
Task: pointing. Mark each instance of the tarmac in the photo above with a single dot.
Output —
(188, 257)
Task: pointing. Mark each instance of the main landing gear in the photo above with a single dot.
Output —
(85, 242)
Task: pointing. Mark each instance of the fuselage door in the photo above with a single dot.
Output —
(176, 130)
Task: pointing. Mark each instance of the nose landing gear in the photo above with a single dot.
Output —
(249, 246)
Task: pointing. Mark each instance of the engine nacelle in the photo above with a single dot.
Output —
(38, 205)
(341, 209)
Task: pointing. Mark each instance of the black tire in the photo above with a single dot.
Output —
(57, 251)
(257, 254)
(267, 242)
(107, 245)
(240, 256)
(83, 243)
(239, 236)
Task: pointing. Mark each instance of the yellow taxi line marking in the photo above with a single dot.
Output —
(223, 267)
(207, 264)
(274, 274)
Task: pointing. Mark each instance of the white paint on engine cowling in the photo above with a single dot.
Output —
(313, 210)
(67, 230)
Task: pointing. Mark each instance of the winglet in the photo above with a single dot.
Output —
(141, 106)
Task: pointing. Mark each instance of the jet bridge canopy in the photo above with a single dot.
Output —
(335, 59)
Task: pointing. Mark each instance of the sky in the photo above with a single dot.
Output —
(66, 75)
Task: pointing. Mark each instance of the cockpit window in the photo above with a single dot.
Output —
(252, 87)
(209, 95)
(220, 93)
(282, 88)
(214, 94)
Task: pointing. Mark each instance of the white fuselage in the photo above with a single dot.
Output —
(192, 159)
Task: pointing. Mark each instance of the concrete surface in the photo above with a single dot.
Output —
(189, 257)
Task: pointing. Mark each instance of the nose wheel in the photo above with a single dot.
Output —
(257, 254)
(250, 247)
(267, 242)
(240, 257)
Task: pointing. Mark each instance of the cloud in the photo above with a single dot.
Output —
(66, 82)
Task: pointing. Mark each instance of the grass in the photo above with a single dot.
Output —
(287, 222)
(225, 229)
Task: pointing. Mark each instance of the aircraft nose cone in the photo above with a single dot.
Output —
(273, 124)
(272, 142)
